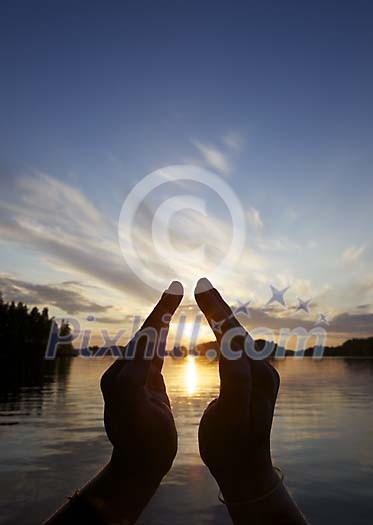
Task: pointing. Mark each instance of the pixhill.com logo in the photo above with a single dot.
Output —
(148, 240)
(156, 346)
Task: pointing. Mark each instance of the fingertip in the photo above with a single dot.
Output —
(213, 305)
(175, 288)
(203, 285)
(173, 296)
(203, 296)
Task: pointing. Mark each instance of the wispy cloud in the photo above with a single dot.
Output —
(358, 324)
(254, 217)
(213, 157)
(58, 221)
(352, 255)
(277, 244)
(62, 296)
(220, 157)
(233, 141)
(62, 225)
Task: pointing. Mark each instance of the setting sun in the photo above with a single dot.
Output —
(190, 333)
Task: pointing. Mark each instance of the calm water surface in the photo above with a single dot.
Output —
(52, 440)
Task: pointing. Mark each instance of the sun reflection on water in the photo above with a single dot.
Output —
(190, 375)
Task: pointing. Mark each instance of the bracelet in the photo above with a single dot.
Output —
(255, 500)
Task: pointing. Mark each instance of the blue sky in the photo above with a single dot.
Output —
(275, 97)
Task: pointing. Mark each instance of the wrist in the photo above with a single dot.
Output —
(118, 498)
(274, 506)
(249, 483)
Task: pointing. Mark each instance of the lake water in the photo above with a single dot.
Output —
(52, 440)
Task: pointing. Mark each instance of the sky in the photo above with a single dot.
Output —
(275, 98)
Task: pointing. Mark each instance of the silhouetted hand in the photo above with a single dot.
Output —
(234, 433)
(139, 424)
(138, 417)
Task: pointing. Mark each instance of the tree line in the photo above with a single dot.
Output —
(24, 330)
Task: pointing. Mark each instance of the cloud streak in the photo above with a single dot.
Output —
(213, 157)
(352, 255)
(254, 217)
(64, 227)
(59, 221)
(233, 141)
(61, 296)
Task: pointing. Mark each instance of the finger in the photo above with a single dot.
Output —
(165, 308)
(159, 319)
(167, 304)
(235, 373)
(217, 312)
(148, 343)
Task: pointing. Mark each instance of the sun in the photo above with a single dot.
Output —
(188, 332)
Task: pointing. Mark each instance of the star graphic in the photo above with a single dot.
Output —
(303, 305)
(277, 296)
(323, 318)
(242, 308)
(216, 325)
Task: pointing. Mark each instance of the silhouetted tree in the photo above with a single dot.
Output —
(65, 348)
(25, 333)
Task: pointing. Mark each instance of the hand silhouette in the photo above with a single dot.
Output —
(138, 419)
(234, 433)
